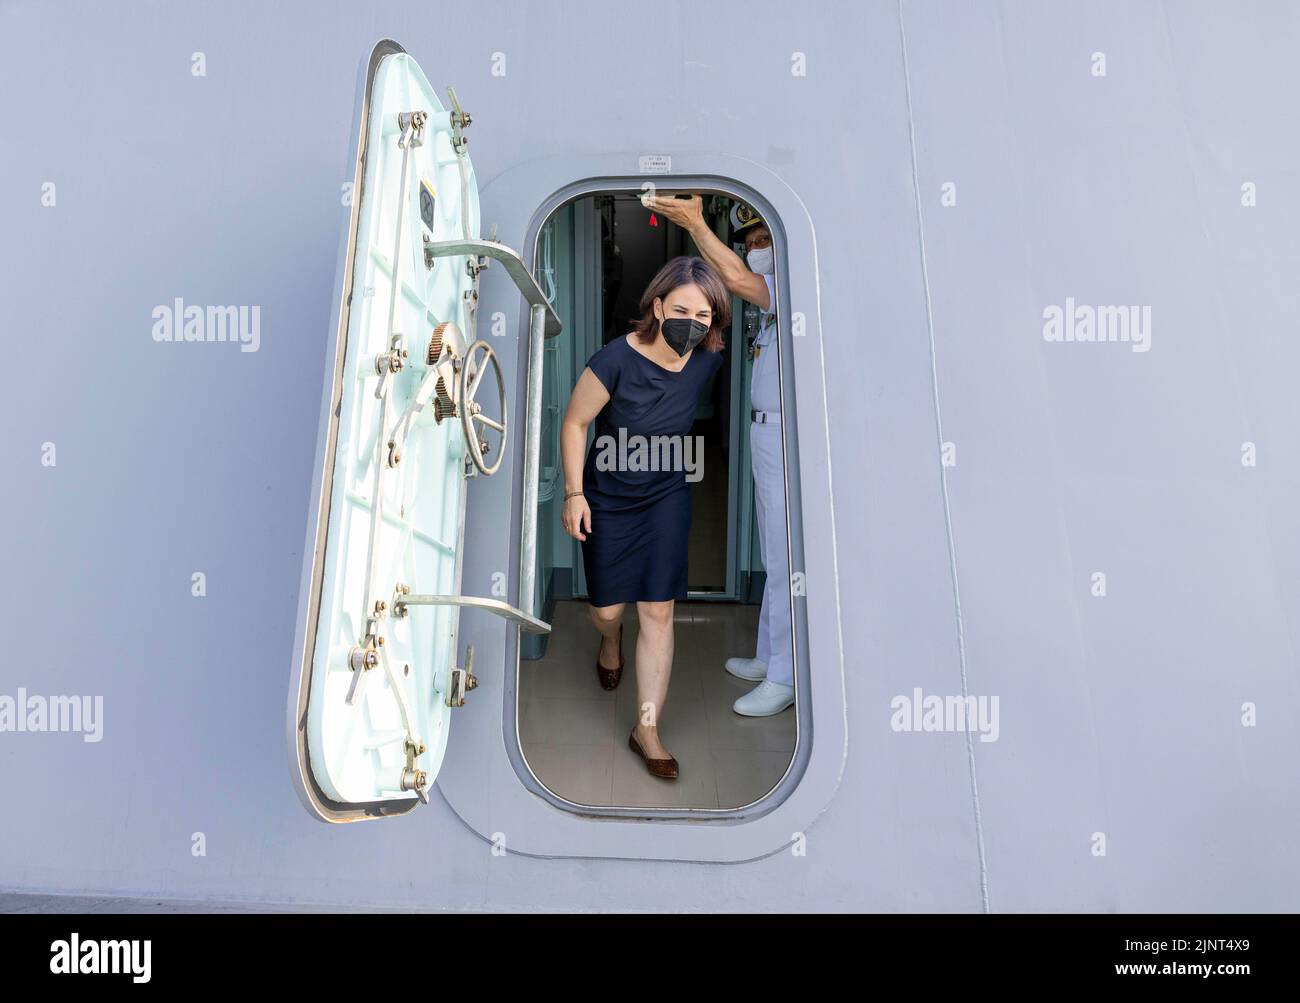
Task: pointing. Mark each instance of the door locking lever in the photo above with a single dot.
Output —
(412, 125)
(414, 778)
(460, 121)
(462, 680)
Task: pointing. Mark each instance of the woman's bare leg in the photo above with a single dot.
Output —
(654, 666)
(607, 620)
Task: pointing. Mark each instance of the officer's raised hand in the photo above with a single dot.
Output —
(688, 213)
(683, 211)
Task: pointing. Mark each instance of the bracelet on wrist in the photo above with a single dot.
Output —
(571, 494)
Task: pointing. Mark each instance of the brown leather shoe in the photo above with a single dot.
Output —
(664, 768)
(609, 677)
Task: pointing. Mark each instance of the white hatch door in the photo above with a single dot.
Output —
(413, 424)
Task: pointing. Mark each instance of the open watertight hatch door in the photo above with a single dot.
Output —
(414, 410)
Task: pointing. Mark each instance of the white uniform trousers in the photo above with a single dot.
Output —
(769, 499)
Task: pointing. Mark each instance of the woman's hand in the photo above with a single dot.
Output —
(686, 213)
(576, 516)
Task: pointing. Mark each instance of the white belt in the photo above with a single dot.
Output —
(765, 417)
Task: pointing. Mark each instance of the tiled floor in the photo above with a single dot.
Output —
(574, 733)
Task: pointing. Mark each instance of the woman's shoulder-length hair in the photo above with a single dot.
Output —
(683, 271)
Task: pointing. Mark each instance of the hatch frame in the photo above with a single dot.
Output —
(505, 803)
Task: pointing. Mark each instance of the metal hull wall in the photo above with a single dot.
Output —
(1120, 714)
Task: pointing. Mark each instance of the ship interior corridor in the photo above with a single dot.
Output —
(594, 258)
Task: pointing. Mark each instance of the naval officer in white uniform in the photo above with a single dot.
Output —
(772, 666)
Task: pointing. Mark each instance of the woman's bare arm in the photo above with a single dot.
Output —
(588, 397)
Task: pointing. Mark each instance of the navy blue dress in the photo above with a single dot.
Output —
(636, 475)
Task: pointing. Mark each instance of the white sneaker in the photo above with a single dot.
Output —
(747, 668)
(764, 700)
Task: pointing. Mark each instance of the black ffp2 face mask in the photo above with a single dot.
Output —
(683, 334)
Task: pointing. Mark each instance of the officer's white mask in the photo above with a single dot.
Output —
(760, 260)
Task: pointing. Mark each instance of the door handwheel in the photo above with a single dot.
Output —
(472, 419)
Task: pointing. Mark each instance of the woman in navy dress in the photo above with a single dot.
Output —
(630, 501)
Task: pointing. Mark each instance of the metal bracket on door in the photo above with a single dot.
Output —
(526, 621)
(514, 266)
